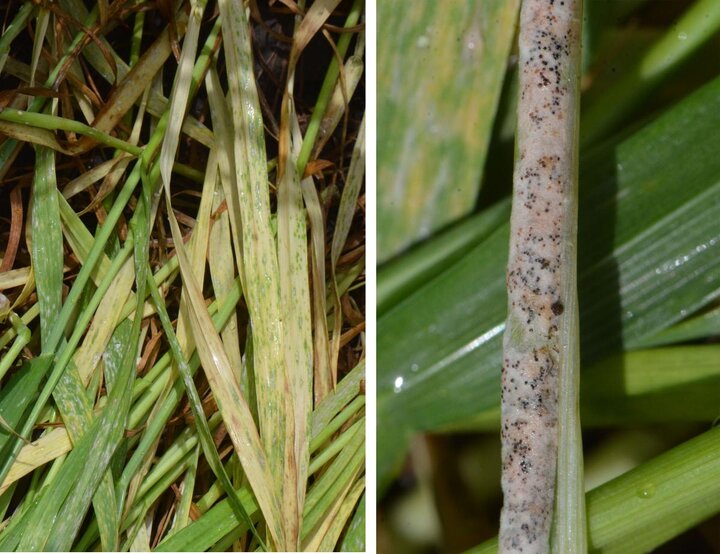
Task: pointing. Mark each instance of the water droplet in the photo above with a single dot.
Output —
(414, 367)
(646, 491)
(422, 42)
(398, 385)
(682, 36)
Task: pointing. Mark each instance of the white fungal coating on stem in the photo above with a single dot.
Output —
(542, 310)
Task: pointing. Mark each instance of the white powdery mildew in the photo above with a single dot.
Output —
(543, 184)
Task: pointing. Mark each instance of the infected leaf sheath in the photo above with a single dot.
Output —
(540, 353)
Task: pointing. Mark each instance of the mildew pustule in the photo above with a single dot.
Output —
(542, 255)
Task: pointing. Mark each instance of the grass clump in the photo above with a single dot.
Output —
(173, 345)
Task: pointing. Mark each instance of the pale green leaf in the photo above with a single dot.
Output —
(440, 70)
